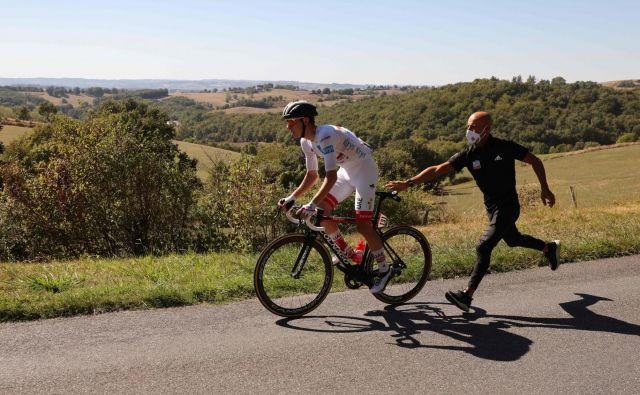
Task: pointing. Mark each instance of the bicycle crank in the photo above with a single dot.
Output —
(351, 282)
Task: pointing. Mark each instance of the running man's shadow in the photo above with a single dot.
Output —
(489, 340)
(581, 318)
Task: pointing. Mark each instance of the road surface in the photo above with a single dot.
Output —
(576, 331)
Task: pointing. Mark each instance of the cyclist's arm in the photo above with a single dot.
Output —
(426, 175)
(307, 183)
(328, 182)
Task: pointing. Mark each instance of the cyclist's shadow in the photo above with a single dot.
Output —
(487, 340)
(484, 340)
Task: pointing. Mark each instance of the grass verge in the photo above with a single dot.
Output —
(90, 286)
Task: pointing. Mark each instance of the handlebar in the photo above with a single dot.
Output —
(308, 221)
(311, 221)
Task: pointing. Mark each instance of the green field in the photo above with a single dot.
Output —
(606, 223)
(204, 154)
(601, 178)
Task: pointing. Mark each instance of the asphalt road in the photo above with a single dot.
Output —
(576, 331)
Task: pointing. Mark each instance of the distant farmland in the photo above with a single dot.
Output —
(10, 133)
(219, 99)
(206, 155)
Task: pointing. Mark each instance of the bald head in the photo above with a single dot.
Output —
(480, 120)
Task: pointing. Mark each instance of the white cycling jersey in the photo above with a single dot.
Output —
(358, 170)
(338, 146)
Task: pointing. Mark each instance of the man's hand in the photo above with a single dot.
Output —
(397, 185)
(307, 211)
(548, 198)
(285, 203)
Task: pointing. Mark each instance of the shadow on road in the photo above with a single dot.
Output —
(488, 339)
(581, 318)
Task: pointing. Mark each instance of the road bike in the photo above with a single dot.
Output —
(294, 273)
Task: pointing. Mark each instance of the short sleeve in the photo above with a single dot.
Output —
(327, 148)
(310, 158)
(517, 151)
(459, 160)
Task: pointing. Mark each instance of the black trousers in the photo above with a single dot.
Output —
(502, 226)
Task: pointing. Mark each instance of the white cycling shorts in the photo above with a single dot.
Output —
(361, 179)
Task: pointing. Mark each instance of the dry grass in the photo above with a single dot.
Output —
(600, 177)
(616, 84)
(251, 110)
(74, 100)
(11, 133)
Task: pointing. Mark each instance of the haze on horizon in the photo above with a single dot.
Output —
(360, 42)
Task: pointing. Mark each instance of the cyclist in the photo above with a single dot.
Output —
(358, 172)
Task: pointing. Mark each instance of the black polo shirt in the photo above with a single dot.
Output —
(493, 168)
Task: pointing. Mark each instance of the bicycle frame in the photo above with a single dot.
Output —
(361, 273)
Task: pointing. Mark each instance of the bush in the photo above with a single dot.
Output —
(627, 138)
(411, 210)
(560, 148)
(240, 199)
(114, 184)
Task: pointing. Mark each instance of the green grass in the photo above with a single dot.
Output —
(600, 179)
(206, 155)
(89, 286)
(606, 223)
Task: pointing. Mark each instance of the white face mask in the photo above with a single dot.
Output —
(472, 137)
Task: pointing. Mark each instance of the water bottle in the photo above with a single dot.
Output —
(359, 252)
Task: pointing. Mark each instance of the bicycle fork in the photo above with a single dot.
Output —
(301, 260)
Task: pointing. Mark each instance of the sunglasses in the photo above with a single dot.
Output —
(292, 121)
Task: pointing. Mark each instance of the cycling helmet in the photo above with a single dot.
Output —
(299, 109)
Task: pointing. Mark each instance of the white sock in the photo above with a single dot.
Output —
(378, 255)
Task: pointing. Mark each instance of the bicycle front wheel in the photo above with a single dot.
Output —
(293, 275)
(409, 253)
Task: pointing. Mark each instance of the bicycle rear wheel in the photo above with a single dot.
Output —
(286, 282)
(409, 253)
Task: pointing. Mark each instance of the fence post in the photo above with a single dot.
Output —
(573, 196)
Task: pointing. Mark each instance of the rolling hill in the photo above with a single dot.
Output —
(602, 177)
(204, 154)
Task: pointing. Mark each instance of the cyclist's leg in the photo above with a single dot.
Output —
(365, 186)
(340, 191)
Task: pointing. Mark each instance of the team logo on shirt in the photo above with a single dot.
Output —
(476, 164)
(498, 158)
(327, 150)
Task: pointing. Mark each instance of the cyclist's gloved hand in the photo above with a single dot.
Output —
(307, 210)
(286, 203)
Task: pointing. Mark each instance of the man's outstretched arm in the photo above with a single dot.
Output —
(426, 175)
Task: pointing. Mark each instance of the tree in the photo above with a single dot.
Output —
(114, 184)
(47, 110)
(23, 113)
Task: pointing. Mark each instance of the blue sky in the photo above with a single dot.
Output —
(368, 42)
